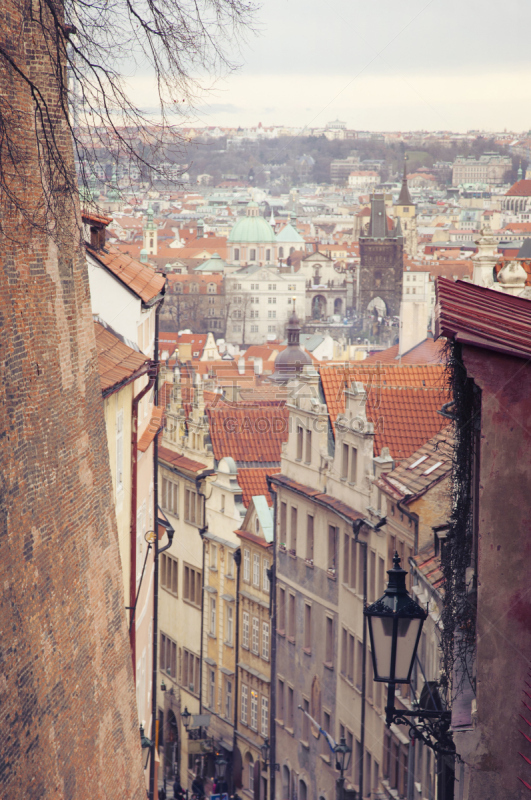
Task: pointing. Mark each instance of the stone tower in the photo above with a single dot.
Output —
(150, 232)
(381, 263)
(405, 211)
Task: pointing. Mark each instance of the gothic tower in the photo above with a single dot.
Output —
(381, 263)
(150, 234)
(405, 211)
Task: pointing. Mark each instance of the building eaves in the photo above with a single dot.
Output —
(343, 510)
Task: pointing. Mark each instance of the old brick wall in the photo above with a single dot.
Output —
(69, 723)
(492, 749)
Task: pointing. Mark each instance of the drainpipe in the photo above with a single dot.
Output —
(237, 560)
(363, 545)
(273, 684)
(132, 538)
(205, 474)
(156, 551)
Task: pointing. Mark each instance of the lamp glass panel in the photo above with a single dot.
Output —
(382, 634)
(406, 641)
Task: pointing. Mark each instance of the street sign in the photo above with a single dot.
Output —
(199, 746)
(199, 721)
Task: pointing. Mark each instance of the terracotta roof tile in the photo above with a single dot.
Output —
(423, 469)
(427, 352)
(117, 362)
(154, 425)
(253, 482)
(139, 278)
(520, 189)
(253, 434)
(180, 462)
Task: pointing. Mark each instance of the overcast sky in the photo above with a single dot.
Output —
(385, 65)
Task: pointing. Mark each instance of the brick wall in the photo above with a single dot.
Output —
(69, 723)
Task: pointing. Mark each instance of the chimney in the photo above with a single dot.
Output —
(241, 366)
(258, 365)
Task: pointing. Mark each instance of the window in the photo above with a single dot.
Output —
(192, 585)
(281, 252)
(256, 570)
(193, 507)
(254, 328)
(230, 625)
(246, 565)
(251, 776)
(291, 708)
(190, 671)
(344, 463)
(346, 556)
(283, 523)
(293, 542)
(350, 662)
(329, 642)
(359, 659)
(170, 496)
(252, 256)
(265, 641)
(213, 556)
(268, 255)
(211, 288)
(332, 544)
(344, 651)
(308, 458)
(307, 628)
(264, 717)
(280, 701)
(272, 314)
(168, 656)
(168, 573)
(254, 710)
(353, 465)
(271, 328)
(309, 538)
(228, 699)
(255, 636)
(272, 287)
(326, 727)
(353, 564)
(281, 611)
(212, 689)
(213, 616)
(120, 451)
(300, 435)
(243, 708)
(291, 617)
(266, 586)
(381, 576)
(372, 577)
(305, 721)
(230, 565)
(236, 253)
(245, 630)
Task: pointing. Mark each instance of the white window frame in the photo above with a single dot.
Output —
(266, 586)
(246, 564)
(245, 630)
(243, 705)
(256, 570)
(264, 716)
(254, 710)
(255, 639)
(265, 641)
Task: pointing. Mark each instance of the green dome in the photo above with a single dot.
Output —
(252, 229)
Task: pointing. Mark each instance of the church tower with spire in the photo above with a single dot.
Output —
(150, 234)
(405, 213)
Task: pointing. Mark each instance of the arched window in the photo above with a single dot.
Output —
(285, 783)
(252, 257)
(281, 252)
(291, 250)
(178, 288)
(236, 253)
(194, 288)
(268, 255)
(303, 792)
(250, 772)
(212, 288)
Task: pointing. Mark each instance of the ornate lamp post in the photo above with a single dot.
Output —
(395, 623)
(265, 752)
(186, 718)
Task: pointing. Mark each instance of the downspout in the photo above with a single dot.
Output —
(154, 732)
(202, 532)
(237, 560)
(132, 539)
(273, 684)
(363, 545)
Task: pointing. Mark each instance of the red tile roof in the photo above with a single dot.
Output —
(429, 565)
(427, 352)
(484, 318)
(179, 461)
(118, 363)
(153, 427)
(423, 469)
(248, 434)
(253, 482)
(402, 402)
(139, 278)
(520, 189)
(98, 219)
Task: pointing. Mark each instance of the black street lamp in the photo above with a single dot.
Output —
(186, 718)
(395, 623)
(220, 767)
(146, 744)
(343, 754)
(265, 752)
